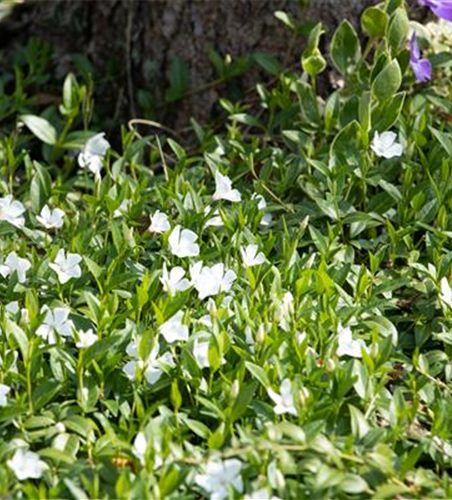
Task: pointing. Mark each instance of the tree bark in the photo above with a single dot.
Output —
(137, 42)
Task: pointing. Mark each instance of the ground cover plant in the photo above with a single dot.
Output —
(265, 313)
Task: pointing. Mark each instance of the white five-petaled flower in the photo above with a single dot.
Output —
(93, 153)
(173, 329)
(223, 189)
(51, 219)
(174, 280)
(11, 211)
(66, 266)
(86, 339)
(26, 465)
(347, 346)
(262, 205)
(445, 295)
(210, 281)
(182, 243)
(15, 263)
(219, 477)
(251, 256)
(4, 391)
(159, 223)
(386, 145)
(153, 366)
(56, 321)
(140, 445)
(284, 400)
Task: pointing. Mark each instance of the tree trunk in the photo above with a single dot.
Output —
(139, 42)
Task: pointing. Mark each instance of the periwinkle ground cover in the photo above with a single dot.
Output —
(265, 316)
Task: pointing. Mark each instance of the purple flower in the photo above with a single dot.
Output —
(442, 8)
(422, 68)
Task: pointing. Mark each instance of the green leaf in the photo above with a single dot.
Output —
(40, 187)
(398, 28)
(387, 81)
(374, 21)
(41, 128)
(268, 62)
(345, 48)
(19, 336)
(258, 373)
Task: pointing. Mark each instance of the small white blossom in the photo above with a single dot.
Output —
(12, 211)
(262, 205)
(173, 329)
(4, 391)
(386, 145)
(66, 267)
(251, 256)
(215, 220)
(56, 321)
(445, 296)
(140, 445)
(261, 494)
(60, 427)
(51, 219)
(347, 346)
(26, 465)
(182, 243)
(86, 339)
(174, 281)
(153, 366)
(210, 281)
(201, 353)
(15, 263)
(284, 311)
(284, 401)
(123, 208)
(219, 477)
(93, 153)
(159, 223)
(223, 189)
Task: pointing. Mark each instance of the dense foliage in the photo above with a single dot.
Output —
(263, 314)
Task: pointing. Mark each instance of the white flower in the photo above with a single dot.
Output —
(12, 307)
(15, 263)
(4, 391)
(173, 329)
(140, 445)
(55, 321)
(386, 145)
(262, 205)
(174, 281)
(60, 427)
(153, 366)
(93, 153)
(210, 281)
(67, 267)
(251, 257)
(26, 465)
(11, 211)
(446, 293)
(51, 219)
(346, 345)
(86, 339)
(216, 220)
(159, 223)
(182, 243)
(284, 311)
(261, 494)
(201, 353)
(223, 189)
(123, 208)
(283, 401)
(219, 477)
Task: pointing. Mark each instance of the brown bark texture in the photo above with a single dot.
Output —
(137, 41)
